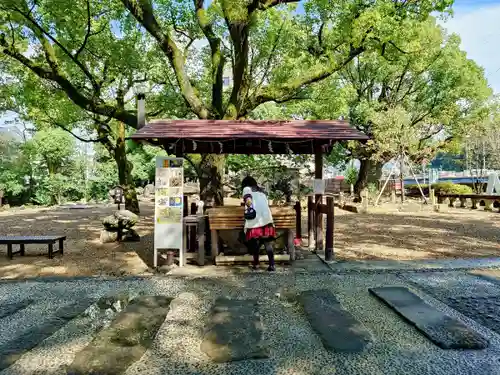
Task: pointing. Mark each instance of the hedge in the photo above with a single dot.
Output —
(446, 187)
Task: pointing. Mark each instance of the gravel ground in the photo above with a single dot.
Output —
(396, 236)
(295, 349)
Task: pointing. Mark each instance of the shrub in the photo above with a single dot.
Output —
(446, 187)
(413, 188)
(449, 187)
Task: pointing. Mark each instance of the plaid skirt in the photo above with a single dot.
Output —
(266, 232)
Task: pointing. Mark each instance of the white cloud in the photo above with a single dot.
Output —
(479, 29)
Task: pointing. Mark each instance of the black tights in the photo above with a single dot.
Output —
(254, 246)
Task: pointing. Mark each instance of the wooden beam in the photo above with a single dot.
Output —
(318, 174)
(310, 221)
(329, 228)
(298, 219)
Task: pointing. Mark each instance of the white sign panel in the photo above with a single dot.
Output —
(169, 203)
(319, 186)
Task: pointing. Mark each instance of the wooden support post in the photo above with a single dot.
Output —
(310, 222)
(215, 243)
(291, 245)
(318, 174)
(201, 241)
(364, 200)
(185, 207)
(298, 219)
(329, 228)
(432, 197)
(192, 233)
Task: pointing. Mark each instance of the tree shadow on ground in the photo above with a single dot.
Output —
(407, 236)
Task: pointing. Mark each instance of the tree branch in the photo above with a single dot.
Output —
(59, 125)
(87, 34)
(266, 4)
(56, 76)
(142, 11)
(40, 30)
(289, 89)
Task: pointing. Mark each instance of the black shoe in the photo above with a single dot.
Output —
(271, 269)
(255, 268)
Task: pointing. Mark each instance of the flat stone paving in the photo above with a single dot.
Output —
(124, 342)
(441, 329)
(234, 331)
(338, 329)
(11, 308)
(294, 348)
(12, 350)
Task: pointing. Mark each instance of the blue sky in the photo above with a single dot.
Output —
(478, 24)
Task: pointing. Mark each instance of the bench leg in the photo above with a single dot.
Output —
(215, 244)
(51, 250)
(9, 250)
(61, 246)
(21, 246)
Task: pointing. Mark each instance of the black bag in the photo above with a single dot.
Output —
(250, 213)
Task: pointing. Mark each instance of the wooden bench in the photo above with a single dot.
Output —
(231, 218)
(25, 240)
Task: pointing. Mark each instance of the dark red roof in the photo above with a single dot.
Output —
(249, 129)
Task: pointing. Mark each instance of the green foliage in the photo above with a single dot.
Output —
(351, 175)
(13, 165)
(449, 162)
(448, 187)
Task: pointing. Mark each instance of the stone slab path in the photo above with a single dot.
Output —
(234, 331)
(273, 315)
(444, 331)
(338, 329)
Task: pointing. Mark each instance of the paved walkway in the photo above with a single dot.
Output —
(56, 334)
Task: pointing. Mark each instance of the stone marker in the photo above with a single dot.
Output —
(443, 330)
(11, 308)
(234, 332)
(337, 328)
(11, 351)
(124, 342)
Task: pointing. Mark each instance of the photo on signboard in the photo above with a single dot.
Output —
(176, 163)
(162, 177)
(176, 177)
(163, 201)
(175, 201)
(168, 215)
(165, 163)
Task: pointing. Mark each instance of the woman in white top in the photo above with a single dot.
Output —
(259, 226)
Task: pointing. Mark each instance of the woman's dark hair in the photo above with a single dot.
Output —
(250, 182)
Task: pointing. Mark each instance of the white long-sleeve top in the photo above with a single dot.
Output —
(261, 206)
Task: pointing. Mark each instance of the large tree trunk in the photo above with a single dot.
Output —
(370, 171)
(125, 172)
(211, 173)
